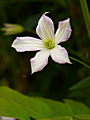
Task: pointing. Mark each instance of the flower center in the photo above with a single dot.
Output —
(49, 43)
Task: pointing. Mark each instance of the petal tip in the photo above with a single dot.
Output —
(17, 38)
(33, 69)
(32, 72)
(46, 13)
(68, 19)
(69, 62)
(66, 62)
(14, 42)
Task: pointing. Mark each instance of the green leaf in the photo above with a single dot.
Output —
(86, 15)
(78, 108)
(68, 118)
(12, 109)
(70, 110)
(81, 118)
(58, 108)
(36, 108)
(14, 104)
(82, 84)
(58, 118)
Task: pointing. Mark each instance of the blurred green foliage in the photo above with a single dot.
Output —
(16, 105)
(55, 80)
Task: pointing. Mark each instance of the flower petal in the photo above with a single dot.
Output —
(45, 28)
(39, 61)
(22, 44)
(63, 32)
(7, 118)
(60, 55)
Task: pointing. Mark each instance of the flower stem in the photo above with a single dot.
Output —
(79, 61)
(86, 15)
(79, 55)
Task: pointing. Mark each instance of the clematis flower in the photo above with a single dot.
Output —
(47, 45)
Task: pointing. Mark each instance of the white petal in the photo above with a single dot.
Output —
(39, 61)
(7, 118)
(45, 28)
(22, 44)
(60, 55)
(63, 32)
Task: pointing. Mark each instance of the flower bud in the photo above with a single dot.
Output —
(12, 29)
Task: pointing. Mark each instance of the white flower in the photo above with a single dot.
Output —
(47, 45)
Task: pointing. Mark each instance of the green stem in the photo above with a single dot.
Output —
(79, 55)
(84, 64)
(86, 15)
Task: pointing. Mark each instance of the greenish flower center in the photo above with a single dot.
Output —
(49, 44)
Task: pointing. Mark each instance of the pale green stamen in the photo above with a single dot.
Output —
(49, 44)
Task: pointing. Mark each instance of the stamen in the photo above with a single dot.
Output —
(49, 43)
